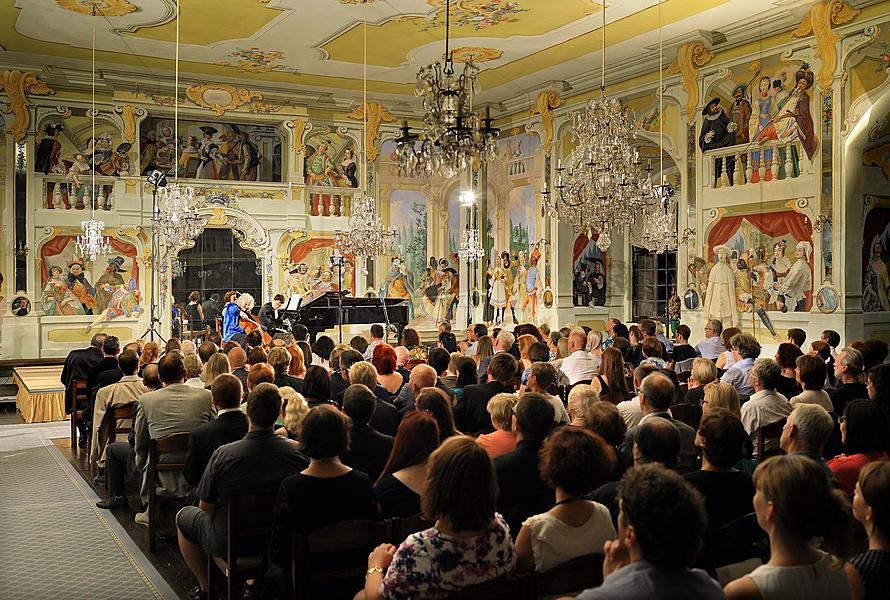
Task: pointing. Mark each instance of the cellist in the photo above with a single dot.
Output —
(231, 318)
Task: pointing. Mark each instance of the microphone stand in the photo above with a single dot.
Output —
(339, 260)
(156, 179)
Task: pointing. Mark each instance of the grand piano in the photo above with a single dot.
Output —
(323, 312)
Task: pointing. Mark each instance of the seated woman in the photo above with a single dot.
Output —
(435, 401)
(811, 376)
(502, 439)
(864, 434)
(610, 381)
(384, 360)
(469, 544)
(465, 371)
(317, 386)
(280, 360)
(217, 365)
(324, 493)
(604, 420)
(403, 478)
(653, 353)
(871, 507)
(721, 395)
(703, 372)
(727, 491)
(726, 360)
(411, 341)
(787, 356)
(293, 410)
(573, 461)
(795, 506)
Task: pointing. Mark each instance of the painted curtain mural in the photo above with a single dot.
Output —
(313, 275)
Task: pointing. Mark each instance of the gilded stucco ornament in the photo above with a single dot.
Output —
(299, 127)
(376, 115)
(220, 97)
(130, 115)
(818, 24)
(18, 85)
(476, 54)
(106, 8)
(546, 100)
(690, 57)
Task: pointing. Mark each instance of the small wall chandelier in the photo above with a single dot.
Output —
(454, 137)
(91, 243)
(177, 268)
(471, 247)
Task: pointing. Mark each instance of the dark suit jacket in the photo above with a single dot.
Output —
(241, 374)
(108, 377)
(368, 451)
(225, 429)
(267, 317)
(522, 492)
(338, 387)
(471, 413)
(385, 418)
(77, 366)
(687, 459)
(108, 363)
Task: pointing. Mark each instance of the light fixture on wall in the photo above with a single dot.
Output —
(91, 243)
(454, 137)
(602, 187)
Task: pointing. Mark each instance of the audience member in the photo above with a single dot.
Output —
(630, 409)
(721, 395)
(385, 417)
(610, 381)
(848, 370)
(727, 491)
(229, 425)
(651, 350)
(435, 401)
(448, 341)
(573, 462)
(604, 420)
(259, 373)
(822, 351)
(581, 398)
(712, 346)
(503, 341)
(864, 433)
(384, 360)
(123, 393)
(874, 352)
(467, 526)
(174, 343)
(206, 350)
(438, 359)
(293, 410)
(833, 339)
(727, 359)
(811, 376)
(787, 356)
(256, 356)
(317, 386)
(465, 375)
(660, 530)
(703, 372)
(321, 352)
(343, 360)
(422, 376)
(194, 368)
(766, 406)
(471, 413)
(797, 337)
(522, 491)
(376, 339)
(541, 379)
(483, 354)
(401, 361)
(150, 353)
(579, 365)
(217, 365)
(359, 344)
(878, 387)
(525, 342)
(411, 341)
(871, 508)
(369, 449)
(682, 350)
(238, 363)
(107, 371)
(474, 334)
(502, 439)
(796, 506)
(404, 475)
(745, 349)
(806, 432)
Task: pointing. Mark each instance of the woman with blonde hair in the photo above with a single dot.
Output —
(502, 439)
(581, 398)
(562, 348)
(280, 359)
(595, 346)
(216, 366)
(193, 369)
(703, 372)
(293, 410)
(721, 395)
(525, 342)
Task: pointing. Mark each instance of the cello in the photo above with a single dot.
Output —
(249, 325)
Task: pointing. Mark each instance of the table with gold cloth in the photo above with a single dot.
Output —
(41, 396)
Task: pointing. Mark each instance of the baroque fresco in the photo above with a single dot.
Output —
(588, 272)
(312, 274)
(210, 150)
(330, 160)
(875, 256)
(408, 219)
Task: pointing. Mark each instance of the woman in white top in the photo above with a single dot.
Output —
(795, 505)
(811, 377)
(726, 360)
(573, 462)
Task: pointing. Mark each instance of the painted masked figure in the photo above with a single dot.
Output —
(80, 287)
(876, 287)
(57, 298)
(109, 281)
(795, 121)
(717, 132)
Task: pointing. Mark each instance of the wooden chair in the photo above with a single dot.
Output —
(571, 577)
(687, 413)
(80, 395)
(174, 443)
(119, 413)
(413, 363)
(773, 431)
(347, 540)
(249, 528)
(684, 388)
(732, 543)
(684, 366)
(515, 587)
(683, 376)
(399, 529)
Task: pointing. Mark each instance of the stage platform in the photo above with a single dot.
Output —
(41, 396)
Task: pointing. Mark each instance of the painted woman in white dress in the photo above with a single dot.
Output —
(799, 280)
(498, 288)
(720, 299)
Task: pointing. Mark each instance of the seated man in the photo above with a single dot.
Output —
(471, 413)
(580, 365)
(651, 557)
(230, 425)
(385, 417)
(745, 350)
(712, 346)
(807, 430)
(255, 465)
(766, 406)
(124, 392)
(422, 376)
(542, 376)
(368, 449)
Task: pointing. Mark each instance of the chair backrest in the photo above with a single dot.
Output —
(515, 587)
(399, 529)
(688, 413)
(354, 538)
(119, 413)
(684, 365)
(734, 542)
(683, 376)
(575, 575)
(81, 392)
(175, 442)
(773, 431)
(249, 524)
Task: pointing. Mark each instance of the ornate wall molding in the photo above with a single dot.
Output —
(375, 114)
(105, 8)
(690, 57)
(220, 97)
(546, 100)
(818, 23)
(130, 116)
(18, 85)
(299, 127)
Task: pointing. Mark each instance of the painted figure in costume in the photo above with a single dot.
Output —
(320, 168)
(348, 277)
(125, 302)
(763, 129)
(109, 281)
(188, 152)
(598, 284)
(744, 286)
(296, 282)
(876, 287)
(80, 287)
(717, 132)
(673, 311)
(450, 289)
(207, 148)
(520, 292)
(349, 167)
(532, 285)
(398, 283)
(780, 94)
(57, 298)
(741, 114)
(720, 299)
(759, 274)
(48, 154)
(509, 265)
(243, 157)
(794, 121)
(429, 283)
(498, 296)
(799, 280)
(101, 152)
(581, 286)
(324, 285)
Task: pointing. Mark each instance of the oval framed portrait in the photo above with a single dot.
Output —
(827, 299)
(548, 298)
(475, 298)
(20, 306)
(691, 299)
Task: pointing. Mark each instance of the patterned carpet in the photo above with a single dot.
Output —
(54, 543)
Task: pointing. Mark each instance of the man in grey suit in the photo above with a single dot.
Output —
(175, 408)
(656, 394)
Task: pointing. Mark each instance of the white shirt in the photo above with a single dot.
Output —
(710, 348)
(471, 349)
(819, 397)
(223, 411)
(370, 349)
(554, 543)
(560, 414)
(763, 408)
(195, 382)
(579, 366)
(631, 411)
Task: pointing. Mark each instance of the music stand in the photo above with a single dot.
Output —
(158, 180)
(339, 260)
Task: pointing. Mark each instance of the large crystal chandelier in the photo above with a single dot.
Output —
(91, 243)
(364, 235)
(471, 246)
(177, 222)
(602, 187)
(454, 137)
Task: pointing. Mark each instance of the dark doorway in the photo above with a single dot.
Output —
(653, 277)
(217, 264)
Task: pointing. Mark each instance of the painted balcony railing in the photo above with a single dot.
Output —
(329, 202)
(752, 164)
(61, 192)
(520, 165)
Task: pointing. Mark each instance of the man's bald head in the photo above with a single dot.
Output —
(657, 391)
(150, 377)
(422, 376)
(237, 358)
(577, 339)
(401, 355)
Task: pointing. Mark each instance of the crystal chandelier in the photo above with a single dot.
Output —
(454, 137)
(364, 234)
(602, 187)
(177, 268)
(177, 222)
(91, 243)
(471, 247)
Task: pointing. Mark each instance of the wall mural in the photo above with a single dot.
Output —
(758, 263)
(211, 150)
(107, 288)
(408, 218)
(875, 256)
(313, 274)
(330, 160)
(588, 272)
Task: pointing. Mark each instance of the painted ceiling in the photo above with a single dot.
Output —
(521, 45)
